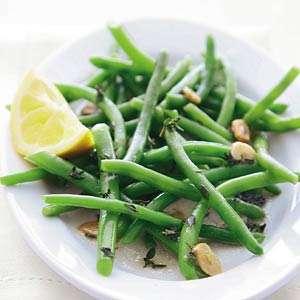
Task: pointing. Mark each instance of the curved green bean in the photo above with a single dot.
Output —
(117, 65)
(139, 58)
(269, 163)
(255, 112)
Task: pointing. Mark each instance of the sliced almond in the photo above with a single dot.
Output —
(242, 151)
(88, 109)
(190, 95)
(240, 130)
(89, 229)
(207, 260)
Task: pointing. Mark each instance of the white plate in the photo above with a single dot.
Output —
(73, 257)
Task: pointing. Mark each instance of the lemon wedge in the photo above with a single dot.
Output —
(41, 120)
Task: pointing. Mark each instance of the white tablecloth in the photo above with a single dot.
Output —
(23, 44)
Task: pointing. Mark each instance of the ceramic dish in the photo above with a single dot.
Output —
(57, 242)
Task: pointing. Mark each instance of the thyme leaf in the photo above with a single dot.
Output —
(76, 173)
(107, 252)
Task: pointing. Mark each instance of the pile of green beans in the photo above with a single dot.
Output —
(153, 144)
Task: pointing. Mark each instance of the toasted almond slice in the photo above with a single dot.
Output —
(190, 95)
(240, 130)
(242, 151)
(89, 229)
(207, 260)
(89, 109)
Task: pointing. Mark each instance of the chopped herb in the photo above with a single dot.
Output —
(254, 227)
(131, 207)
(107, 252)
(171, 234)
(253, 197)
(231, 161)
(151, 253)
(106, 194)
(190, 221)
(76, 173)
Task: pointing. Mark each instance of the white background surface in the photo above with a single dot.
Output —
(30, 30)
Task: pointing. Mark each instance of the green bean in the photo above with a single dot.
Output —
(108, 222)
(131, 84)
(160, 203)
(190, 79)
(188, 239)
(249, 210)
(210, 161)
(93, 119)
(175, 75)
(138, 189)
(60, 167)
(273, 189)
(248, 182)
(215, 197)
(215, 175)
(151, 177)
(259, 108)
(25, 176)
(223, 235)
(173, 186)
(140, 136)
(278, 108)
(200, 132)
(98, 78)
(139, 58)
(117, 65)
(200, 116)
(244, 104)
(116, 119)
(159, 155)
(55, 210)
(229, 100)
(210, 66)
(114, 205)
(73, 92)
(283, 125)
(269, 163)
(111, 91)
(121, 94)
(157, 204)
(175, 101)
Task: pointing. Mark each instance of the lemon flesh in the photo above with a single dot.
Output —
(41, 120)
